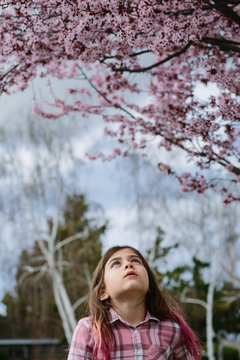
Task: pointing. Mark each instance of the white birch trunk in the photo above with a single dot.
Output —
(58, 281)
(208, 305)
(66, 327)
(209, 324)
(61, 297)
(210, 295)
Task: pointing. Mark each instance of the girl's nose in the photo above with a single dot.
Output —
(128, 264)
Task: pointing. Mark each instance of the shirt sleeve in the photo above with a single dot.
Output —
(180, 352)
(82, 342)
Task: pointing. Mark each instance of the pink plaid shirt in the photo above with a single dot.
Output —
(150, 339)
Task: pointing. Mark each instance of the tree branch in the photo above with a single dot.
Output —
(69, 239)
(125, 69)
(232, 298)
(88, 275)
(132, 55)
(221, 161)
(29, 270)
(8, 72)
(226, 11)
(223, 44)
(103, 95)
(192, 300)
(230, 274)
(79, 302)
(187, 11)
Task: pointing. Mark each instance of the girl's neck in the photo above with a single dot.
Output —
(132, 312)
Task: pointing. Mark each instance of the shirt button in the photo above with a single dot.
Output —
(136, 331)
(139, 352)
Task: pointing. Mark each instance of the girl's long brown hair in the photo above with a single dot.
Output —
(158, 305)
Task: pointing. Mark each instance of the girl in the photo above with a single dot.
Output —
(130, 316)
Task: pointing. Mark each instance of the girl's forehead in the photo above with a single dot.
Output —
(123, 253)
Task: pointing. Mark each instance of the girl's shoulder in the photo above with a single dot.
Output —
(83, 331)
(82, 343)
(85, 321)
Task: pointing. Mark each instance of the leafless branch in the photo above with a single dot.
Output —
(183, 298)
(70, 239)
(103, 95)
(79, 302)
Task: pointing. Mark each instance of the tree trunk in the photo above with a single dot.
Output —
(209, 324)
(66, 327)
(210, 295)
(64, 305)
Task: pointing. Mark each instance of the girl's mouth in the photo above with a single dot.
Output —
(130, 273)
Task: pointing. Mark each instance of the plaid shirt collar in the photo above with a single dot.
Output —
(113, 317)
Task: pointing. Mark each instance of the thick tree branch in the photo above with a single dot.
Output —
(223, 44)
(226, 11)
(187, 11)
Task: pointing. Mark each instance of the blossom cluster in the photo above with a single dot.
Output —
(138, 63)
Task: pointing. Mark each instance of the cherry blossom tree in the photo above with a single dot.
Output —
(138, 65)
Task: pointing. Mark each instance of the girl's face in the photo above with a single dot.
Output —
(124, 276)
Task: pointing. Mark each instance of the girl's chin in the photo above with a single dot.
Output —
(131, 290)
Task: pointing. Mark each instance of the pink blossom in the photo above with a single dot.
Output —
(165, 168)
(138, 62)
(117, 151)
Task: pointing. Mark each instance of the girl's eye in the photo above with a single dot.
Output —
(115, 263)
(136, 260)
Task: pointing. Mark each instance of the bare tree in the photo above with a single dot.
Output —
(39, 162)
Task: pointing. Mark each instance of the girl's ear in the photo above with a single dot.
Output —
(103, 295)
